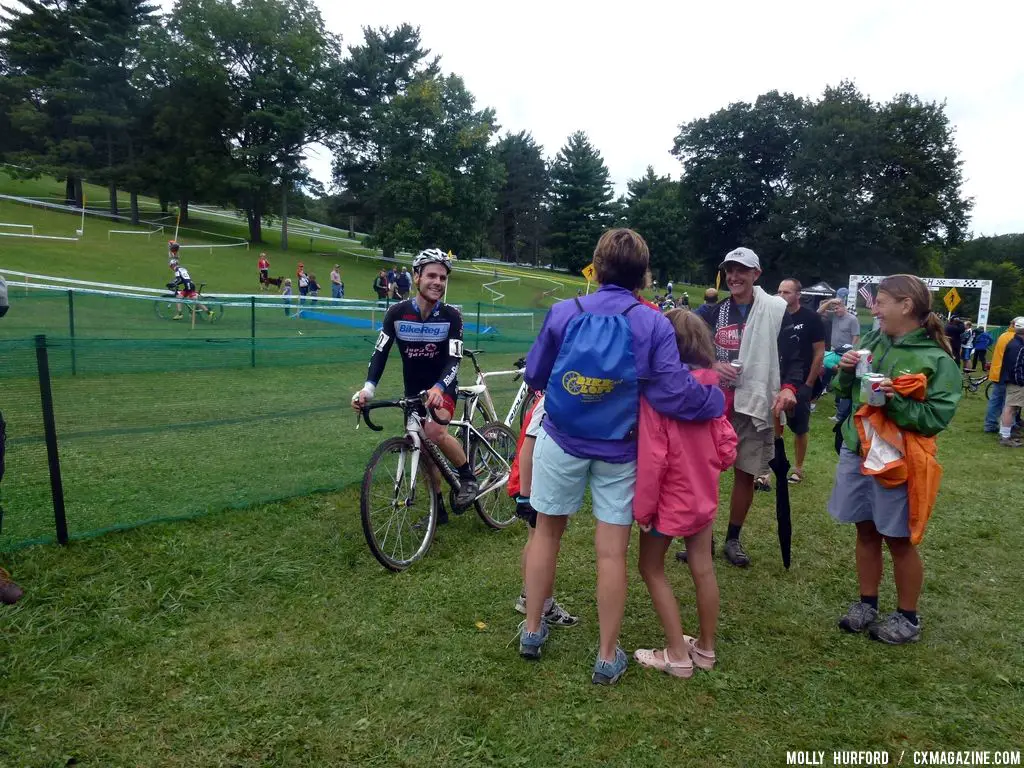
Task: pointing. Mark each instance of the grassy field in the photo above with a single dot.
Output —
(253, 628)
(270, 636)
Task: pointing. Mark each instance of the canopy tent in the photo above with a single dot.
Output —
(813, 295)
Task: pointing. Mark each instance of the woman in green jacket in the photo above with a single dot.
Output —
(910, 339)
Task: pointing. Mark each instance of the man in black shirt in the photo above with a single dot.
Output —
(804, 334)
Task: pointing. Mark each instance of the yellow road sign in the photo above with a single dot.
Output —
(588, 272)
(952, 299)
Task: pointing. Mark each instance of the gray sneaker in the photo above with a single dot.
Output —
(735, 553)
(1011, 442)
(610, 672)
(858, 618)
(896, 629)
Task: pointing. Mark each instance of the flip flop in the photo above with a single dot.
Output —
(796, 476)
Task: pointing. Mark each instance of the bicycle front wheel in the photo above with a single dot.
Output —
(398, 511)
(165, 309)
(988, 391)
(495, 507)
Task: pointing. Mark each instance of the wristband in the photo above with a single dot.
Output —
(791, 388)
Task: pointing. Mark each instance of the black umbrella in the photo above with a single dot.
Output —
(780, 466)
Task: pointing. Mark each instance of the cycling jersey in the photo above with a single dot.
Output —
(182, 280)
(431, 349)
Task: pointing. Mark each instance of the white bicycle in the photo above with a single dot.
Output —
(398, 507)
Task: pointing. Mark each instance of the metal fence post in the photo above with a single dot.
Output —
(71, 330)
(50, 430)
(252, 334)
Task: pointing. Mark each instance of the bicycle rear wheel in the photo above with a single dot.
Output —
(988, 391)
(496, 508)
(399, 519)
(525, 408)
(216, 312)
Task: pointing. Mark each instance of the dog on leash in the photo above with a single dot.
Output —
(266, 282)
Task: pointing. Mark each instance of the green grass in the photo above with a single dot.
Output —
(270, 636)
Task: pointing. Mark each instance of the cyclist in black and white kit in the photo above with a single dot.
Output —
(429, 337)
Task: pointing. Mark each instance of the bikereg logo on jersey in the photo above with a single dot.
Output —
(416, 332)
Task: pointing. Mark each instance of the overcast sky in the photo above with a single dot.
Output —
(629, 73)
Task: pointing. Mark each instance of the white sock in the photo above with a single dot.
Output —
(1004, 432)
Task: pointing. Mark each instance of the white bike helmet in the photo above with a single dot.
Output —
(431, 256)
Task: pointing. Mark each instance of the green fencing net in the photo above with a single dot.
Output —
(157, 420)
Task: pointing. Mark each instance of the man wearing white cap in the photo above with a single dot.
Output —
(760, 377)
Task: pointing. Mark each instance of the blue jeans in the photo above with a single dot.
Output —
(843, 408)
(996, 401)
(336, 291)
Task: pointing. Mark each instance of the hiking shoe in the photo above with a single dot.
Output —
(530, 642)
(1011, 442)
(176, 317)
(763, 483)
(734, 552)
(468, 489)
(609, 672)
(859, 618)
(682, 557)
(896, 629)
(10, 593)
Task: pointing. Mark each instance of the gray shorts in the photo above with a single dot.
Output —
(858, 498)
(754, 448)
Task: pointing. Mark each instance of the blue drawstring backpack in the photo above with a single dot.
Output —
(593, 390)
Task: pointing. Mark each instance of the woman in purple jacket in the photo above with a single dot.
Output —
(564, 461)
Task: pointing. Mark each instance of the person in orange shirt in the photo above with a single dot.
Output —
(997, 398)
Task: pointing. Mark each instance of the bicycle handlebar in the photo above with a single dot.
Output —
(404, 403)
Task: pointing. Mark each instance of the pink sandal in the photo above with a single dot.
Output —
(646, 658)
(700, 657)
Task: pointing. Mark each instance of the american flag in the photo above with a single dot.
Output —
(869, 300)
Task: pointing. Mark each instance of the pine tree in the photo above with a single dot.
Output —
(581, 202)
(519, 219)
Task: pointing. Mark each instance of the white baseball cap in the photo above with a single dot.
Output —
(743, 256)
(1018, 324)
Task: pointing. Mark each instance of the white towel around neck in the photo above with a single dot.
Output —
(759, 353)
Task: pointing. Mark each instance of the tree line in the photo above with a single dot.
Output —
(219, 101)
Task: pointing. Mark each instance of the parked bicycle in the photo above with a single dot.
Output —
(973, 383)
(481, 397)
(398, 507)
(166, 308)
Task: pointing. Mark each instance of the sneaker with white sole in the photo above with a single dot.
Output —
(556, 616)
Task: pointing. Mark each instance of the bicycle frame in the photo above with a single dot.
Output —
(480, 390)
(420, 442)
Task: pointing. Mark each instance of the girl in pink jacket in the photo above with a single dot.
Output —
(678, 464)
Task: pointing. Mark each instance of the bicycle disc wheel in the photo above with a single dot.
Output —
(496, 508)
(398, 520)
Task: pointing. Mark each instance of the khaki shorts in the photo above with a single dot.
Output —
(755, 448)
(1014, 396)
